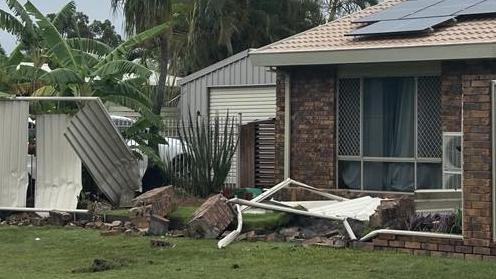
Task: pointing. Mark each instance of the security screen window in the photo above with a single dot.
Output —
(392, 142)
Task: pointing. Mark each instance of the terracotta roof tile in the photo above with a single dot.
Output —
(331, 36)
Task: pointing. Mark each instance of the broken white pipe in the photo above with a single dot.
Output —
(295, 211)
(374, 234)
(289, 181)
(234, 234)
(32, 209)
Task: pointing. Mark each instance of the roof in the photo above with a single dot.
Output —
(331, 38)
(205, 71)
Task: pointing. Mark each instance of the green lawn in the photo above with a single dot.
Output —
(59, 251)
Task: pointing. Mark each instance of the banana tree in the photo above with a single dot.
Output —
(81, 67)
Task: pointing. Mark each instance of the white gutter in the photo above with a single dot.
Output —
(373, 234)
(234, 234)
(295, 211)
(287, 125)
(374, 55)
(31, 209)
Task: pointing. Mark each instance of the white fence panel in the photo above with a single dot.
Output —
(58, 182)
(13, 153)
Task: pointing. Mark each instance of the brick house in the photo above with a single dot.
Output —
(384, 111)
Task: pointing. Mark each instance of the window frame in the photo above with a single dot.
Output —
(363, 159)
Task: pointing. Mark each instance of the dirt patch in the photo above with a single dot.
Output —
(100, 265)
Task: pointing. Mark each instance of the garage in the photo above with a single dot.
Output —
(237, 86)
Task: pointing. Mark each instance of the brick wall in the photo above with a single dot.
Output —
(451, 97)
(419, 245)
(312, 126)
(477, 184)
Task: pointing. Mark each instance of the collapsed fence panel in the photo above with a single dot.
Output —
(104, 152)
(58, 179)
(13, 153)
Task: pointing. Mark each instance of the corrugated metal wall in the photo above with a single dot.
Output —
(236, 70)
(13, 153)
(102, 149)
(58, 181)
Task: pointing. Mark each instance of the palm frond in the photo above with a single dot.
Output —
(21, 12)
(89, 45)
(122, 67)
(57, 46)
(121, 50)
(61, 77)
(10, 24)
(67, 12)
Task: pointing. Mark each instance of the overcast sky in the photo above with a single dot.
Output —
(95, 9)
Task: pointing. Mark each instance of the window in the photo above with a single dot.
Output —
(389, 134)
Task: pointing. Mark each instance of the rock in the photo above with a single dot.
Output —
(90, 225)
(161, 243)
(142, 232)
(273, 237)
(162, 200)
(290, 233)
(314, 240)
(59, 218)
(99, 225)
(158, 225)
(129, 232)
(211, 219)
(116, 224)
(140, 216)
(128, 225)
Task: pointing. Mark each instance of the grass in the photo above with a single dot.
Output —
(59, 251)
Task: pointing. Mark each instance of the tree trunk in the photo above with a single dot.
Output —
(159, 96)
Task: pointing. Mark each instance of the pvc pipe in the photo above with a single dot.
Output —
(349, 230)
(234, 234)
(31, 209)
(269, 192)
(373, 234)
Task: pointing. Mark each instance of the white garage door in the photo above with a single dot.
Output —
(254, 103)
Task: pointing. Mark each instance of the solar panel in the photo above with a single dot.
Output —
(444, 8)
(398, 11)
(400, 26)
(486, 7)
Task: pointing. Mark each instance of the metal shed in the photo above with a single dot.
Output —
(233, 83)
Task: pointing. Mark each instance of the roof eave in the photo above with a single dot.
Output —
(375, 55)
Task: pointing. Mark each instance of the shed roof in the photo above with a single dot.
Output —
(205, 71)
(331, 37)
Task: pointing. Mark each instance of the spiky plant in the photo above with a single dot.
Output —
(209, 147)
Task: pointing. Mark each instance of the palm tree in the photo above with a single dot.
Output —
(82, 66)
(219, 29)
(141, 15)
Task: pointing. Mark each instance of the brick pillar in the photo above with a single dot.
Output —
(451, 96)
(313, 126)
(313, 115)
(279, 163)
(477, 176)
